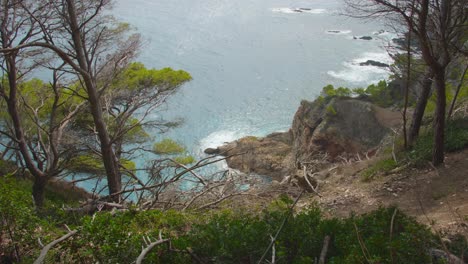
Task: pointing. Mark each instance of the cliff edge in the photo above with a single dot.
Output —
(333, 128)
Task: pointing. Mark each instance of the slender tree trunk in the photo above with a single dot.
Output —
(109, 158)
(439, 120)
(421, 104)
(39, 191)
(12, 105)
(460, 85)
(407, 85)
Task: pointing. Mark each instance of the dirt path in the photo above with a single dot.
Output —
(437, 197)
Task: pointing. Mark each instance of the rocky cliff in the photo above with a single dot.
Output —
(336, 126)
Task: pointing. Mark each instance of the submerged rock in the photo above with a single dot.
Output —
(374, 63)
(366, 38)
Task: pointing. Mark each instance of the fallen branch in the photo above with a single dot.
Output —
(273, 252)
(281, 227)
(323, 254)
(46, 249)
(314, 189)
(150, 245)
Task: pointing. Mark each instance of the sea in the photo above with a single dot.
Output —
(252, 61)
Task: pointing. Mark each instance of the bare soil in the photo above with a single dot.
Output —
(437, 197)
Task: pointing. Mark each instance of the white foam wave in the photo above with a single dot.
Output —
(355, 73)
(218, 138)
(289, 10)
(338, 32)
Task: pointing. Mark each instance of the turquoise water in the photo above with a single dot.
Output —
(252, 61)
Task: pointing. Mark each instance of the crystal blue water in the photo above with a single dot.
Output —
(252, 61)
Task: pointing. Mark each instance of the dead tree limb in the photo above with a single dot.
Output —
(281, 227)
(150, 245)
(46, 249)
(273, 251)
(323, 254)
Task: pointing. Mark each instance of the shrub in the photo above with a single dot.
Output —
(185, 160)
(20, 226)
(456, 138)
(168, 146)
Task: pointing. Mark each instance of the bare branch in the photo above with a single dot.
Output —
(46, 249)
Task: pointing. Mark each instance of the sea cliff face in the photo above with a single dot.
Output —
(334, 128)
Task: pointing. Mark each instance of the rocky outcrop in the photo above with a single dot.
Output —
(341, 125)
(336, 126)
(265, 156)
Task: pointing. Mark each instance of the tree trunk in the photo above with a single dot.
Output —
(418, 113)
(407, 85)
(109, 159)
(39, 191)
(12, 104)
(457, 92)
(439, 120)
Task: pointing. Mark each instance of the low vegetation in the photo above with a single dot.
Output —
(421, 152)
(221, 236)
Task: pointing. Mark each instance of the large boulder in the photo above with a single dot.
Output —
(339, 125)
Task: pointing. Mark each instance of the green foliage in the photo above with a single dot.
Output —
(224, 236)
(418, 66)
(330, 91)
(92, 164)
(230, 238)
(118, 238)
(137, 77)
(408, 242)
(359, 91)
(20, 225)
(330, 110)
(456, 138)
(379, 93)
(449, 93)
(168, 146)
(320, 100)
(136, 133)
(185, 160)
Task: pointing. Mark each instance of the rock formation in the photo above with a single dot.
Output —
(336, 126)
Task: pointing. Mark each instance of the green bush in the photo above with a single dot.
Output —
(168, 146)
(20, 226)
(243, 238)
(185, 160)
(223, 236)
(456, 138)
(379, 94)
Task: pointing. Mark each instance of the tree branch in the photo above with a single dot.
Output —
(46, 249)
